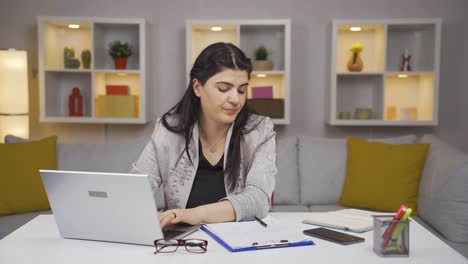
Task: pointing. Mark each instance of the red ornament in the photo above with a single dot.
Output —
(75, 103)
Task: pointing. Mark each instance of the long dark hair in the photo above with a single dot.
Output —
(212, 60)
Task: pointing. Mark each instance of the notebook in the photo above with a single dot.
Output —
(354, 220)
(251, 235)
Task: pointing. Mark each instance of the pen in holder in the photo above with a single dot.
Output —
(394, 245)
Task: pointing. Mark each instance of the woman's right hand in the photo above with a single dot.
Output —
(173, 216)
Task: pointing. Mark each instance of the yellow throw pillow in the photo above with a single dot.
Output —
(21, 188)
(382, 176)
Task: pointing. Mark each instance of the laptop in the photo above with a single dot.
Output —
(114, 207)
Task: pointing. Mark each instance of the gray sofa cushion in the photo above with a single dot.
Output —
(462, 248)
(443, 191)
(325, 208)
(9, 223)
(289, 208)
(107, 157)
(10, 139)
(322, 167)
(287, 180)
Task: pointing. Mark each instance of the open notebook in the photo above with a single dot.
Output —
(250, 235)
(354, 220)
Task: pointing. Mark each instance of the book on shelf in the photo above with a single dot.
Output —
(117, 89)
(353, 220)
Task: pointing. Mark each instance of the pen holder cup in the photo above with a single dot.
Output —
(391, 238)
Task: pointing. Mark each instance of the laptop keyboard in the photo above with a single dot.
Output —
(170, 234)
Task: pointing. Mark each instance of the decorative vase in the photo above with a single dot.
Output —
(355, 63)
(120, 63)
(86, 58)
(75, 103)
(262, 65)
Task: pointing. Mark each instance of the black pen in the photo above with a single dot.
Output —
(260, 221)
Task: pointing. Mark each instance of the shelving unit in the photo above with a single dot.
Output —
(395, 98)
(95, 34)
(275, 35)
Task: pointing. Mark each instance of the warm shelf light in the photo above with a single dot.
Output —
(261, 75)
(402, 75)
(355, 28)
(74, 26)
(216, 28)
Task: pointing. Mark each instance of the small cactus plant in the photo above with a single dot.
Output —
(68, 53)
(72, 64)
(86, 58)
(69, 61)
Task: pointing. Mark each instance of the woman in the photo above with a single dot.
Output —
(214, 158)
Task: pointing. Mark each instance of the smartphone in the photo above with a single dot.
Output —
(333, 236)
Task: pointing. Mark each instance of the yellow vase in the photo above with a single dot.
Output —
(355, 63)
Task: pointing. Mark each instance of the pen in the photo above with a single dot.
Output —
(260, 221)
(388, 232)
(400, 226)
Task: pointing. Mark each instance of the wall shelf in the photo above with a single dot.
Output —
(395, 97)
(95, 34)
(275, 35)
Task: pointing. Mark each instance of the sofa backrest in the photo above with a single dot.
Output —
(106, 157)
(443, 195)
(311, 171)
(322, 169)
(287, 179)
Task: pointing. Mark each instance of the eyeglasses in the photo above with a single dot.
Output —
(193, 245)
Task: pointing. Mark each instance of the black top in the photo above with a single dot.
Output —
(208, 185)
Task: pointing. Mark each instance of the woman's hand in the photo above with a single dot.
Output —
(191, 216)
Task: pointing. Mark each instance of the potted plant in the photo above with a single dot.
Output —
(261, 62)
(120, 51)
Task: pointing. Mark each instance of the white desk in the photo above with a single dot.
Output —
(39, 242)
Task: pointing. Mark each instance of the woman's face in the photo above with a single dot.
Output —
(223, 95)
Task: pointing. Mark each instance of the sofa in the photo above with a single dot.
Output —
(311, 173)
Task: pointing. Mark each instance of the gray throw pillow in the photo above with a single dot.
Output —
(443, 195)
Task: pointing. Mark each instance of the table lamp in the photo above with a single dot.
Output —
(14, 107)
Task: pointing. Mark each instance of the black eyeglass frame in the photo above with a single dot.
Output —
(182, 242)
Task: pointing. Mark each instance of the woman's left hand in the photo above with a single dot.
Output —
(173, 216)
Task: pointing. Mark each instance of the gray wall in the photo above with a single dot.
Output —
(310, 56)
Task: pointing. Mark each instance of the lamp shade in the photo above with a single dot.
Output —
(13, 82)
(14, 106)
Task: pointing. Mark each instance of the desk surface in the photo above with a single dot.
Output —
(39, 242)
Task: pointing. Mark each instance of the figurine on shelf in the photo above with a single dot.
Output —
(405, 61)
(69, 61)
(75, 103)
(86, 58)
(355, 63)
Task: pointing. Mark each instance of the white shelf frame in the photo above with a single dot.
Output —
(251, 22)
(145, 108)
(332, 112)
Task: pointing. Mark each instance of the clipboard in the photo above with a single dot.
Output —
(256, 246)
